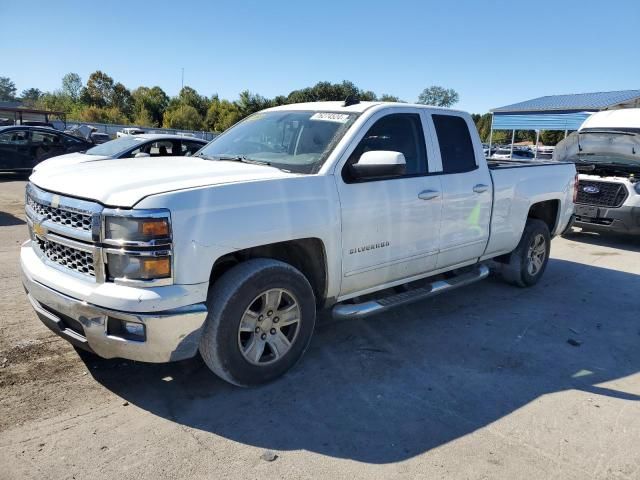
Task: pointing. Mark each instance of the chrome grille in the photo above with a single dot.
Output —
(605, 194)
(60, 216)
(72, 258)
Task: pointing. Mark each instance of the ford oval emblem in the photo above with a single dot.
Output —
(591, 189)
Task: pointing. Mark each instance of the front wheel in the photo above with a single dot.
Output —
(526, 264)
(260, 321)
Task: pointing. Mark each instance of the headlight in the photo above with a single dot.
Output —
(137, 246)
(137, 229)
(128, 266)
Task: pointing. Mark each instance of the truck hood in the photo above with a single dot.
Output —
(69, 159)
(123, 182)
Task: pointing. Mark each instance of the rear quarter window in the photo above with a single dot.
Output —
(456, 147)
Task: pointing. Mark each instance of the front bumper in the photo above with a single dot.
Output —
(625, 219)
(169, 335)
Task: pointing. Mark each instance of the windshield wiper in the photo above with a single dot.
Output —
(240, 158)
(203, 156)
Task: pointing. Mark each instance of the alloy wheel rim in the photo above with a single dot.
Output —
(269, 326)
(536, 255)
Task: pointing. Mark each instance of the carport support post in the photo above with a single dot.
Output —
(535, 155)
(490, 137)
(513, 139)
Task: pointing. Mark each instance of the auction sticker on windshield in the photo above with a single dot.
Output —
(330, 117)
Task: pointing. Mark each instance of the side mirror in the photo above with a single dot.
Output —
(379, 163)
(141, 155)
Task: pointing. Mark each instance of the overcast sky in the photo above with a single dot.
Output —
(492, 53)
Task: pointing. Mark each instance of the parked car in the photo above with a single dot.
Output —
(129, 131)
(545, 152)
(295, 208)
(100, 138)
(606, 151)
(519, 154)
(22, 147)
(131, 146)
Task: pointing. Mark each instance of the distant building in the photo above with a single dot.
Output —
(559, 112)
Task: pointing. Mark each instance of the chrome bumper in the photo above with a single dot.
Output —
(169, 335)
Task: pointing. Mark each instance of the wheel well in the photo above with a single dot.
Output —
(546, 211)
(306, 254)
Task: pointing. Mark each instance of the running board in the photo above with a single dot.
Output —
(371, 307)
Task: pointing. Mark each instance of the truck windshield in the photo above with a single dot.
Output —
(298, 141)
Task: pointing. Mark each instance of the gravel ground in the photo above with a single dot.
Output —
(478, 383)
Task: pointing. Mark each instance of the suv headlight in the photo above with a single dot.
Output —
(138, 245)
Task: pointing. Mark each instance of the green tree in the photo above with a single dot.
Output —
(385, 97)
(121, 99)
(102, 115)
(183, 117)
(551, 137)
(7, 89)
(143, 118)
(98, 91)
(154, 100)
(72, 85)
(58, 101)
(221, 115)
(30, 96)
(249, 103)
(438, 96)
(188, 96)
(327, 91)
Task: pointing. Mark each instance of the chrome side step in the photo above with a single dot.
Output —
(364, 309)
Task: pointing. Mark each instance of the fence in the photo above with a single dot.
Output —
(111, 129)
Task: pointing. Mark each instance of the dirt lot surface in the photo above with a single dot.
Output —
(478, 383)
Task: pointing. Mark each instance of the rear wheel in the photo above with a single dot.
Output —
(527, 263)
(260, 321)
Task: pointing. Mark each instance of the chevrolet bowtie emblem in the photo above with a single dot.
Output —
(38, 229)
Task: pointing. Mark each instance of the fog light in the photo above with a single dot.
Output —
(135, 329)
(128, 330)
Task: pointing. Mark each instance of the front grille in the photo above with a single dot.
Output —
(607, 194)
(67, 218)
(72, 258)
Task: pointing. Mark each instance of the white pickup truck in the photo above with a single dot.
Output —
(357, 207)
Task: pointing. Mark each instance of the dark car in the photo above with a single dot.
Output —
(23, 147)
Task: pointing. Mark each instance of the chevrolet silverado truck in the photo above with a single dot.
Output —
(354, 207)
(606, 152)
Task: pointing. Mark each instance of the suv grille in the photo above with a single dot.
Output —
(71, 258)
(81, 221)
(606, 194)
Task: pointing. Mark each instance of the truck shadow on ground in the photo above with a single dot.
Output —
(396, 385)
(8, 220)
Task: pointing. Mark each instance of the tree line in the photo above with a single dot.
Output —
(102, 99)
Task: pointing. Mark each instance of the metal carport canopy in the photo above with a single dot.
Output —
(539, 121)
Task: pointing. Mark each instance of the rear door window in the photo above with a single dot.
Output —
(46, 145)
(456, 147)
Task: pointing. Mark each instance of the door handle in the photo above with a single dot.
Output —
(428, 195)
(480, 188)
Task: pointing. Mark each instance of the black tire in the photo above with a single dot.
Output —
(229, 299)
(517, 270)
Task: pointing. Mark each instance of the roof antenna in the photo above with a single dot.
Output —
(351, 100)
